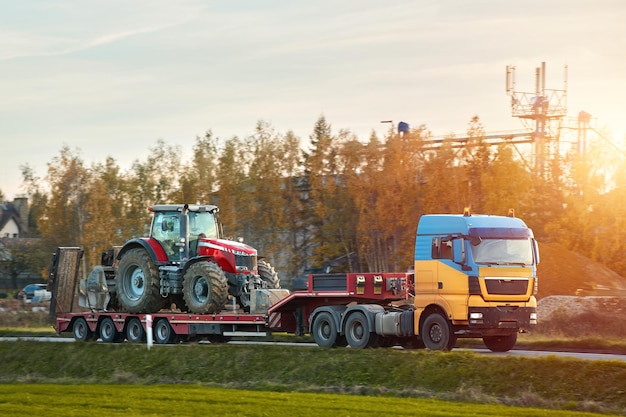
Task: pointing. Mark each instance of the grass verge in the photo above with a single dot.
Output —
(547, 383)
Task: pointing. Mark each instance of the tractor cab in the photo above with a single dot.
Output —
(178, 229)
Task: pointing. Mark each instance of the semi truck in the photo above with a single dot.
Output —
(474, 276)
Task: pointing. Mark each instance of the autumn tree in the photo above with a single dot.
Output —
(23, 255)
(264, 213)
(476, 157)
(332, 219)
(37, 200)
(63, 220)
(294, 193)
(200, 179)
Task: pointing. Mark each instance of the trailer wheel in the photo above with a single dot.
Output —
(135, 332)
(81, 330)
(324, 330)
(358, 333)
(205, 288)
(108, 332)
(437, 333)
(163, 332)
(268, 274)
(502, 343)
(138, 284)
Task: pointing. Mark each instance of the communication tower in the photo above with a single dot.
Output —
(542, 112)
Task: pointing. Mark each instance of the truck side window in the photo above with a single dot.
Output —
(441, 249)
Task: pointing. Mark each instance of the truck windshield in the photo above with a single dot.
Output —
(503, 251)
(202, 223)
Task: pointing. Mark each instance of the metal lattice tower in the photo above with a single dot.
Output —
(542, 112)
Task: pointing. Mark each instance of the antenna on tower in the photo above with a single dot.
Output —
(542, 112)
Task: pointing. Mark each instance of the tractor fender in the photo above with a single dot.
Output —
(151, 246)
(369, 310)
(195, 260)
(337, 311)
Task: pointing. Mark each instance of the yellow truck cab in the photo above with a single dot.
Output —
(475, 276)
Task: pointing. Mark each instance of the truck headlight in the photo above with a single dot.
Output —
(476, 318)
(533, 318)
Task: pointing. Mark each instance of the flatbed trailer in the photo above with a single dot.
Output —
(168, 327)
(323, 310)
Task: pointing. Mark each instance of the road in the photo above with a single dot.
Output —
(515, 352)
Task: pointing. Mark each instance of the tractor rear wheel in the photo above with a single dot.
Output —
(205, 288)
(137, 283)
(268, 275)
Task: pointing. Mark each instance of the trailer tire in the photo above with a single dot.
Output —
(437, 333)
(81, 330)
(502, 343)
(137, 283)
(108, 332)
(135, 332)
(324, 330)
(205, 288)
(163, 332)
(268, 274)
(357, 330)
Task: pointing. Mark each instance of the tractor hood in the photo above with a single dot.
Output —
(228, 246)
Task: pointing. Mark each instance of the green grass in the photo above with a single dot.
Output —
(193, 400)
(548, 382)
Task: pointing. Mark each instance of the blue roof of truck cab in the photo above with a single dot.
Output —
(447, 224)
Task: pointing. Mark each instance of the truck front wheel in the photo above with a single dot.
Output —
(502, 343)
(205, 288)
(137, 283)
(324, 330)
(437, 333)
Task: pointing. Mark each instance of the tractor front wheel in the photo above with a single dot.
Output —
(268, 274)
(205, 288)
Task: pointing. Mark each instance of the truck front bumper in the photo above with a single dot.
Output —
(502, 317)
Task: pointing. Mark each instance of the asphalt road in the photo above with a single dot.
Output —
(514, 352)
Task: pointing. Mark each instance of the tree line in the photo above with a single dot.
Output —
(335, 197)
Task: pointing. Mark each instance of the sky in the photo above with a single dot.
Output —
(108, 78)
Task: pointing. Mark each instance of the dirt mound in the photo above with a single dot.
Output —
(573, 305)
(562, 272)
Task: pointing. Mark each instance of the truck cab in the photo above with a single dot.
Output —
(475, 276)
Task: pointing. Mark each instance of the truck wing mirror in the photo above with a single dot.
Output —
(536, 250)
(458, 251)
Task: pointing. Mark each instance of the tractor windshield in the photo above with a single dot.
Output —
(202, 223)
(503, 251)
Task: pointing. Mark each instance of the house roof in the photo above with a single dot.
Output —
(9, 212)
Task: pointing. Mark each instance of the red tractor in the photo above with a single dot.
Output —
(186, 262)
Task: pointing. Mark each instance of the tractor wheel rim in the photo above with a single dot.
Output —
(137, 284)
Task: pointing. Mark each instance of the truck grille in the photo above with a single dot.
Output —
(506, 286)
(248, 261)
